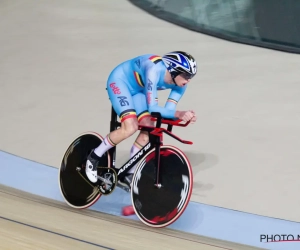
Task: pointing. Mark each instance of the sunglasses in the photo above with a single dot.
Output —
(187, 76)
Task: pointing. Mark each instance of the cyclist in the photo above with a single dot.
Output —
(132, 89)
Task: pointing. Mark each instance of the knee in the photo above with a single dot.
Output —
(147, 121)
(129, 127)
(144, 135)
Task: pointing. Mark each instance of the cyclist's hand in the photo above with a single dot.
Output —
(194, 119)
(185, 115)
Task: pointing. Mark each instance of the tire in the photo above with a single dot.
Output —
(160, 207)
(75, 187)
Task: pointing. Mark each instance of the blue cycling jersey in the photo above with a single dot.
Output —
(132, 87)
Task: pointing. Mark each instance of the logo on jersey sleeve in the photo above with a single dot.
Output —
(149, 85)
(155, 59)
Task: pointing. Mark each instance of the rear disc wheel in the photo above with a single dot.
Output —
(74, 185)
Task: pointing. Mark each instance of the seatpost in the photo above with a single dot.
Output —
(114, 124)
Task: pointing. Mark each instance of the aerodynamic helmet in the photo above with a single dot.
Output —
(179, 62)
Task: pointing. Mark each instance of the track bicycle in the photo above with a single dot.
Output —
(162, 182)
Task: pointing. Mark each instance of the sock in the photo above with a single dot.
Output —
(134, 149)
(104, 146)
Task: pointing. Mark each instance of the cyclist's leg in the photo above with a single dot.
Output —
(144, 118)
(123, 104)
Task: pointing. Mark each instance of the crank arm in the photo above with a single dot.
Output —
(104, 180)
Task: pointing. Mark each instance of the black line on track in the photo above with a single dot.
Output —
(62, 235)
(54, 205)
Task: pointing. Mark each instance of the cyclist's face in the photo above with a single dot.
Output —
(181, 80)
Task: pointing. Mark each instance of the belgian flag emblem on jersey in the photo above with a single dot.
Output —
(138, 78)
(155, 59)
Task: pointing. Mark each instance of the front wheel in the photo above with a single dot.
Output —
(160, 207)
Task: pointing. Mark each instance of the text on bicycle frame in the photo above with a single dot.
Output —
(135, 158)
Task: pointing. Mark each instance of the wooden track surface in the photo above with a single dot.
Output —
(31, 222)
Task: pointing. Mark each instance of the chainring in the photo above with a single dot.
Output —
(107, 180)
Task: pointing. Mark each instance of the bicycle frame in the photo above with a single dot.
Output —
(155, 141)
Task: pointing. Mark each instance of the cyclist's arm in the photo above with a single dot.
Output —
(174, 97)
(152, 78)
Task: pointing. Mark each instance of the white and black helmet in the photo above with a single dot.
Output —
(179, 62)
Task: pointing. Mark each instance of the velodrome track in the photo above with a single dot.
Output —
(55, 57)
